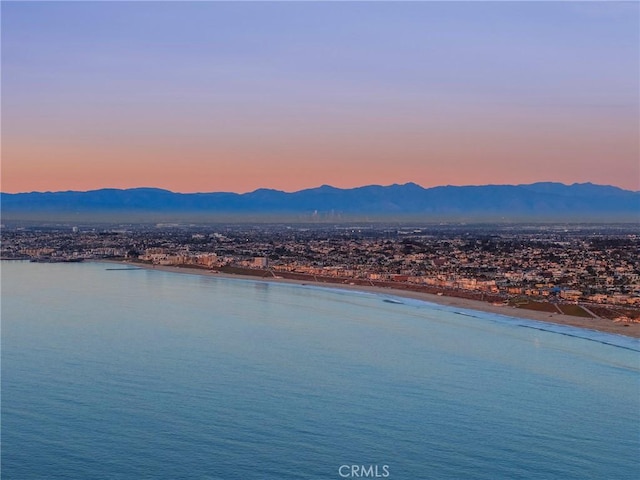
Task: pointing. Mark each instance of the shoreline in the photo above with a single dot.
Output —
(597, 324)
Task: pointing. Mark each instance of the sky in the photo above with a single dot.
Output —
(235, 96)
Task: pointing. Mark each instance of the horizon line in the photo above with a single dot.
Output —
(319, 187)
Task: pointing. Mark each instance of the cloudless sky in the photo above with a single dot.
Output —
(224, 96)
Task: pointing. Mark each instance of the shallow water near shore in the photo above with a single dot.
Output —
(149, 374)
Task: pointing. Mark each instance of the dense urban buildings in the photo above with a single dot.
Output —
(551, 266)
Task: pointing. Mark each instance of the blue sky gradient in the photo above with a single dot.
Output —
(197, 96)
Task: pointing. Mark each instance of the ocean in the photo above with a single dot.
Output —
(142, 374)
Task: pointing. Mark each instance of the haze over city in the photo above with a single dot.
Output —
(221, 96)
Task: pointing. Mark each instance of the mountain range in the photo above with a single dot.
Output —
(545, 200)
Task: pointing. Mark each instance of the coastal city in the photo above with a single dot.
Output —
(582, 270)
(320, 240)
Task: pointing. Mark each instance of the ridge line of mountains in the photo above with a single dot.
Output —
(545, 199)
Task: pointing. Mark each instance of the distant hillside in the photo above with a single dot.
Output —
(539, 200)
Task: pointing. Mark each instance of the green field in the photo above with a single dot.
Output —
(575, 310)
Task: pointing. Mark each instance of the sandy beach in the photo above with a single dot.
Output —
(598, 324)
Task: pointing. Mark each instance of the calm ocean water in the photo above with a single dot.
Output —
(151, 375)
